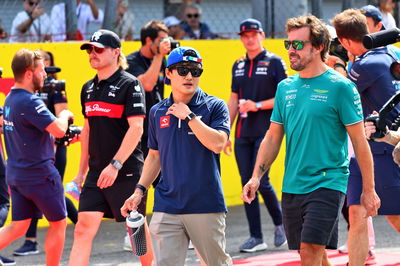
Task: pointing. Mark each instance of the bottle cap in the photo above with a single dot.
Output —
(134, 219)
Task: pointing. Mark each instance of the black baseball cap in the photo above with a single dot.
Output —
(103, 39)
(250, 24)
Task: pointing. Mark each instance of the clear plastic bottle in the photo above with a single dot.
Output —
(242, 115)
(72, 189)
(136, 231)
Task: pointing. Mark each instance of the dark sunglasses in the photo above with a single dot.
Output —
(192, 15)
(33, 3)
(297, 45)
(183, 71)
(97, 50)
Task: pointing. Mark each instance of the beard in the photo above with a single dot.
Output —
(37, 83)
(301, 62)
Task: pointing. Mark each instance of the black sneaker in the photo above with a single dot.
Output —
(28, 248)
(6, 262)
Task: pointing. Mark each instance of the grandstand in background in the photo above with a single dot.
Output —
(223, 16)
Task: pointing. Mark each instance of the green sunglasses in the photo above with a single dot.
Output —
(297, 45)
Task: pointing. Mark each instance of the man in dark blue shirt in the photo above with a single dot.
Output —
(371, 73)
(254, 82)
(34, 181)
(187, 131)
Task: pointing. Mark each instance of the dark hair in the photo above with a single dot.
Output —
(23, 60)
(151, 29)
(350, 24)
(319, 33)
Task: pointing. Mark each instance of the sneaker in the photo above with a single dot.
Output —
(127, 244)
(28, 248)
(343, 249)
(6, 262)
(253, 244)
(190, 245)
(279, 236)
(370, 258)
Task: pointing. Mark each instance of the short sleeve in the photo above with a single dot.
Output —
(135, 100)
(280, 70)
(135, 68)
(362, 77)
(36, 113)
(350, 109)
(277, 115)
(234, 86)
(152, 141)
(220, 117)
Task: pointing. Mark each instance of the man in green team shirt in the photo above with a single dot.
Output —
(316, 109)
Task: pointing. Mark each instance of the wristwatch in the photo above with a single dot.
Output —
(190, 117)
(258, 105)
(117, 164)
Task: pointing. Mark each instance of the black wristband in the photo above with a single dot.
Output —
(339, 65)
(141, 187)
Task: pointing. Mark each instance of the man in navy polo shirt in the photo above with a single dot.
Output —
(111, 160)
(371, 73)
(254, 82)
(187, 131)
(34, 181)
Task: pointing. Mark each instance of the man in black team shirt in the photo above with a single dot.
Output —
(114, 108)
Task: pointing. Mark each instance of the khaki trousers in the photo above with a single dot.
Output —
(170, 235)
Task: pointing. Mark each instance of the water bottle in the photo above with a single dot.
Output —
(136, 232)
(72, 189)
(242, 115)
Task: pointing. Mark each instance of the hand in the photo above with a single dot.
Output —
(247, 106)
(250, 189)
(132, 203)
(179, 110)
(370, 129)
(37, 12)
(66, 113)
(371, 202)
(228, 147)
(107, 177)
(164, 47)
(76, 138)
(78, 180)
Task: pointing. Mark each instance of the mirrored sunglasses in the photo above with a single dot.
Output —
(297, 45)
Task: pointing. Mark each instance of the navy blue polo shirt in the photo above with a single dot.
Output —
(30, 148)
(371, 73)
(256, 79)
(191, 175)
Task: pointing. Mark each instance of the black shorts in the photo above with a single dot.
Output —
(312, 218)
(109, 200)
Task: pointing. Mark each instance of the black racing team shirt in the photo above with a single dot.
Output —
(107, 105)
(256, 80)
(138, 65)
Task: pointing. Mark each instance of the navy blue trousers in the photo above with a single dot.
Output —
(246, 153)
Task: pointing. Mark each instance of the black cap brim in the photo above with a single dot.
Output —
(87, 45)
(240, 33)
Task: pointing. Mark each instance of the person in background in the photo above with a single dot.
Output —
(174, 27)
(32, 24)
(193, 28)
(85, 13)
(124, 21)
(254, 82)
(4, 196)
(386, 7)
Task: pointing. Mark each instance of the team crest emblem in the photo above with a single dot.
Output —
(96, 36)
